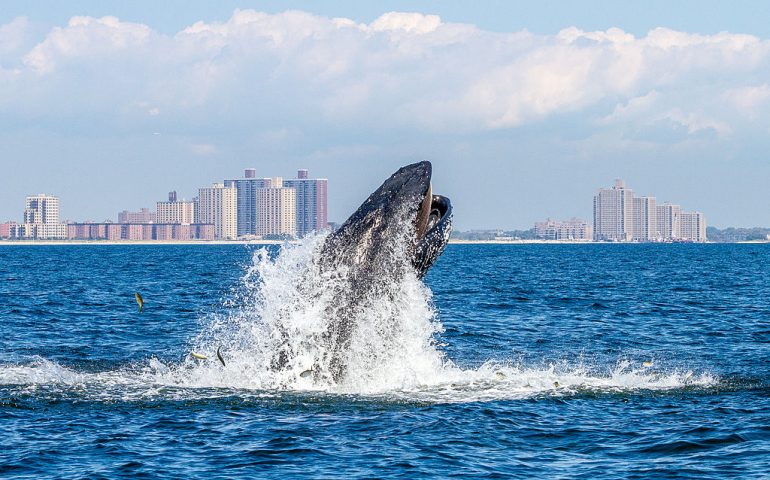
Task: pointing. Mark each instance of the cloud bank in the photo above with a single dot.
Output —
(403, 70)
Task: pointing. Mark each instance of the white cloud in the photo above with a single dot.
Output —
(748, 99)
(88, 38)
(407, 22)
(295, 70)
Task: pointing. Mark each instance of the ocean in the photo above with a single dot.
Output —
(548, 361)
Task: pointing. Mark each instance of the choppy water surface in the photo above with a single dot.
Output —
(528, 360)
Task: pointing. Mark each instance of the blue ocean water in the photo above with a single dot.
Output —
(609, 361)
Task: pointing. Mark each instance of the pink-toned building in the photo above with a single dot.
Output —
(99, 231)
(114, 231)
(164, 231)
(205, 231)
(133, 231)
(139, 232)
(183, 232)
(5, 229)
(78, 231)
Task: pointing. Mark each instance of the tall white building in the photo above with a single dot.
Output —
(692, 227)
(613, 213)
(276, 209)
(645, 219)
(41, 219)
(669, 226)
(218, 205)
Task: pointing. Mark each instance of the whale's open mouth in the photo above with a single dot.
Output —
(369, 234)
(433, 222)
(433, 226)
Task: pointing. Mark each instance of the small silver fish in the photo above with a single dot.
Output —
(139, 300)
(198, 356)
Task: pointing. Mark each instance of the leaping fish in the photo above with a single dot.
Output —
(219, 356)
(139, 300)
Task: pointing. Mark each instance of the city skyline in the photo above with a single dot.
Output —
(112, 102)
(245, 208)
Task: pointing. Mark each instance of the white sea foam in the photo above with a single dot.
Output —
(285, 304)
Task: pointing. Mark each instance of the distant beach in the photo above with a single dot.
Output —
(281, 242)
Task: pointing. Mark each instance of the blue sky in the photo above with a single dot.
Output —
(525, 108)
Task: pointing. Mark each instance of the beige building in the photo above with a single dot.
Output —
(182, 212)
(41, 219)
(692, 227)
(276, 209)
(218, 205)
(645, 219)
(669, 217)
(573, 229)
(613, 213)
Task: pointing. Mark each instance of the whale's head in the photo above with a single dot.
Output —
(402, 217)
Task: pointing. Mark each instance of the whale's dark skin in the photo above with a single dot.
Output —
(401, 225)
(401, 229)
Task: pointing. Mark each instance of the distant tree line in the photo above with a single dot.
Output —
(737, 234)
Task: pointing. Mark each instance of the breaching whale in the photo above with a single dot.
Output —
(401, 229)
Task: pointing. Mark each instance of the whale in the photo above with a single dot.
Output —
(400, 229)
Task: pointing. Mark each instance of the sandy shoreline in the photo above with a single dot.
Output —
(280, 242)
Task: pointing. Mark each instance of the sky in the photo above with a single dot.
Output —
(524, 108)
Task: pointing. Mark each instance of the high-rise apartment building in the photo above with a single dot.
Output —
(613, 213)
(276, 209)
(247, 200)
(669, 218)
(144, 215)
(312, 202)
(645, 219)
(218, 205)
(175, 212)
(41, 219)
(692, 227)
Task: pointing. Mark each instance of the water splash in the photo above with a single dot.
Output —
(290, 303)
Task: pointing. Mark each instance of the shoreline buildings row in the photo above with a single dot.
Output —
(244, 208)
(621, 216)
